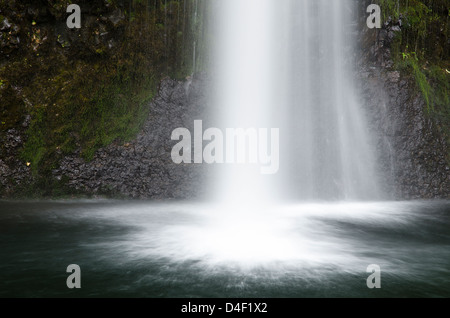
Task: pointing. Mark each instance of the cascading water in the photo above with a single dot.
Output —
(279, 64)
(244, 88)
(329, 154)
(287, 64)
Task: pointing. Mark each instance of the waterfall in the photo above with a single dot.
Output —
(328, 150)
(244, 88)
(287, 64)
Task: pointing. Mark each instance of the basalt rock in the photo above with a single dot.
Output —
(143, 168)
(410, 147)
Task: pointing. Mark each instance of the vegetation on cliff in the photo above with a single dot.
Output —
(422, 49)
(82, 89)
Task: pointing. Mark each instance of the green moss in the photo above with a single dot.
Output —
(422, 51)
(425, 26)
(411, 64)
(434, 85)
(432, 81)
(86, 95)
(424, 86)
(389, 9)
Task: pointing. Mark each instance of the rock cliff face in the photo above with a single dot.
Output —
(73, 91)
(412, 149)
(143, 168)
(15, 176)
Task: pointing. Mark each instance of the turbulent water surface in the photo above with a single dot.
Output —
(145, 249)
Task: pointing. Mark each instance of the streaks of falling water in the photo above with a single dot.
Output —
(243, 99)
(287, 64)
